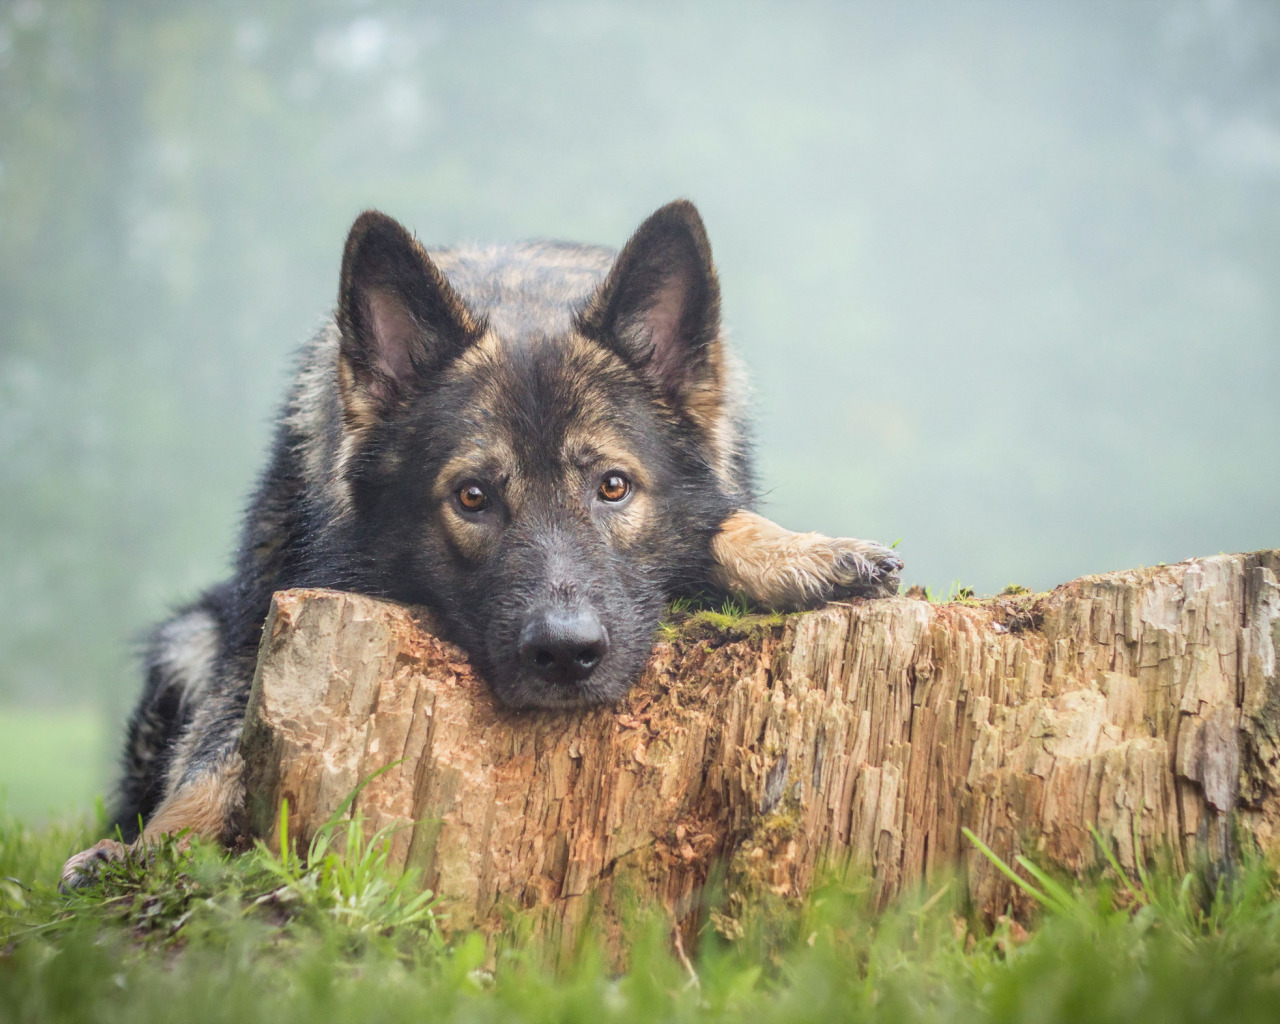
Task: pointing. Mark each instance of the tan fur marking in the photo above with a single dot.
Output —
(593, 444)
(484, 349)
(472, 539)
(789, 571)
(596, 448)
(203, 807)
(487, 457)
(626, 525)
(704, 404)
(359, 410)
(480, 460)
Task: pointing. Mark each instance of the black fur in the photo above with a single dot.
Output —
(502, 353)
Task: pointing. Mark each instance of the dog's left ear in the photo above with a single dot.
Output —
(659, 308)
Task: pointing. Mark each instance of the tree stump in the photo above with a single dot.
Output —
(1144, 704)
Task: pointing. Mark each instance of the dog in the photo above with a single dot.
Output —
(543, 443)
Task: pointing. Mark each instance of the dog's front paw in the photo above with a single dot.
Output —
(791, 572)
(83, 868)
(862, 568)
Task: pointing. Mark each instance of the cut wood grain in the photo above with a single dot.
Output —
(1143, 704)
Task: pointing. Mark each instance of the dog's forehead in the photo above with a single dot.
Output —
(539, 405)
(535, 398)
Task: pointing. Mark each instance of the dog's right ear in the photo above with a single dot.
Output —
(399, 319)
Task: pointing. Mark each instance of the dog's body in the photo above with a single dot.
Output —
(542, 443)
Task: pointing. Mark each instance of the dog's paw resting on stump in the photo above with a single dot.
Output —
(788, 571)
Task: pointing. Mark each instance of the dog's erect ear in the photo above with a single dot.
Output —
(659, 308)
(399, 318)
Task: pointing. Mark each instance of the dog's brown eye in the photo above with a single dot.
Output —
(472, 498)
(614, 487)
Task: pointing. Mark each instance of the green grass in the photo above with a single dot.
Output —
(51, 762)
(206, 936)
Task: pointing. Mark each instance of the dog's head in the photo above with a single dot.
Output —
(543, 471)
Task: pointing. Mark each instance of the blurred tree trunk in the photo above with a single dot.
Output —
(1143, 704)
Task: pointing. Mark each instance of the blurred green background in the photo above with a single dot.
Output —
(1006, 275)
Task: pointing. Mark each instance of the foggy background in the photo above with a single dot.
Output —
(1006, 275)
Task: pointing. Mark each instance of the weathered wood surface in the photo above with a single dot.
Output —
(1143, 703)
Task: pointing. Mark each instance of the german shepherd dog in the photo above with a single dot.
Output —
(542, 443)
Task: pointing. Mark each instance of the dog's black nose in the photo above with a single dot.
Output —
(563, 645)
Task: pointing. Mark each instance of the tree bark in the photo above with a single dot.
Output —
(1143, 704)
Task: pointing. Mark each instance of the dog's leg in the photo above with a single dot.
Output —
(182, 763)
(202, 805)
(181, 769)
(180, 670)
(791, 571)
